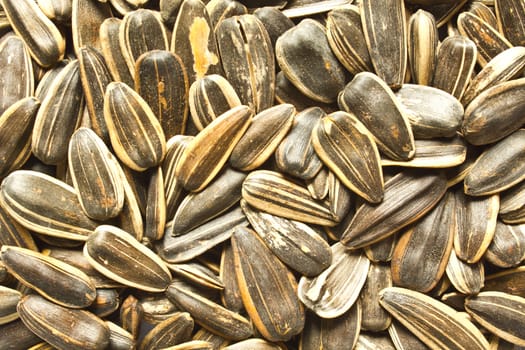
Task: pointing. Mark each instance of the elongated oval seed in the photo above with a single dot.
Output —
(507, 248)
(501, 313)
(422, 46)
(55, 280)
(10, 298)
(434, 323)
(45, 205)
(43, 39)
(172, 331)
(110, 46)
(510, 15)
(466, 278)
(119, 256)
(136, 134)
(374, 318)
(95, 174)
(62, 327)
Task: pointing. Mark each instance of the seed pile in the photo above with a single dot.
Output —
(256, 175)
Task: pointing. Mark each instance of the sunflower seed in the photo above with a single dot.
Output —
(484, 12)
(131, 315)
(172, 188)
(174, 330)
(510, 14)
(156, 308)
(10, 298)
(198, 274)
(62, 327)
(381, 251)
(106, 302)
(511, 281)
(267, 287)
(403, 339)
(86, 18)
(156, 206)
(20, 336)
(130, 218)
(275, 22)
(222, 9)
(373, 341)
(57, 10)
(110, 46)
(111, 251)
(507, 248)
(466, 278)
(119, 338)
(230, 295)
(374, 317)
(422, 46)
(512, 204)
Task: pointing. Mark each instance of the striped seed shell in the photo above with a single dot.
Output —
(247, 60)
(408, 196)
(273, 193)
(14, 234)
(119, 256)
(487, 39)
(511, 15)
(20, 337)
(130, 218)
(267, 130)
(222, 9)
(336, 289)
(295, 243)
(55, 280)
(43, 39)
(268, 289)
(230, 294)
(119, 338)
(422, 46)
(295, 154)
(507, 248)
(466, 278)
(498, 168)
(495, 113)
(135, 132)
(209, 97)
(475, 225)
(10, 298)
(106, 302)
(161, 80)
(57, 10)
(45, 205)
(209, 314)
(340, 198)
(335, 333)
(112, 52)
(199, 207)
(422, 252)
(483, 11)
(96, 176)
(62, 327)
(155, 206)
(434, 323)
(374, 318)
(512, 205)
(205, 155)
(16, 71)
(155, 308)
(131, 312)
(193, 40)
(172, 188)
(197, 274)
(348, 149)
(373, 341)
(95, 78)
(504, 66)
(385, 28)
(381, 251)
(455, 63)
(274, 20)
(59, 116)
(403, 339)
(500, 313)
(375, 105)
(86, 18)
(435, 153)
(16, 126)
(432, 112)
(305, 57)
(346, 38)
(174, 330)
(510, 281)
(141, 31)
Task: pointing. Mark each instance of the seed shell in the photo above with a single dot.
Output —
(110, 47)
(86, 18)
(466, 278)
(507, 248)
(374, 318)
(155, 206)
(174, 330)
(510, 15)
(10, 298)
(422, 46)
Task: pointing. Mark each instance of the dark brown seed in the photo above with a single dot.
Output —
(375, 105)
(374, 318)
(381, 251)
(408, 196)
(275, 22)
(106, 302)
(112, 251)
(14, 234)
(110, 46)
(498, 168)
(466, 278)
(174, 330)
(476, 222)
(247, 60)
(456, 59)
(136, 134)
(130, 218)
(385, 28)
(208, 314)
(45, 205)
(336, 289)
(62, 327)
(57, 10)
(230, 295)
(86, 18)
(261, 139)
(156, 308)
(273, 193)
(173, 188)
(43, 39)
(512, 205)
(16, 72)
(131, 313)
(268, 289)
(495, 113)
(161, 80)
(217, 341)
(403, 339)
(488, 40)
(156, 206)
(500, 313)
(16, 126)
(205, 155)
(10, 298)
(193, 40)
(119, 338)
(222, 9)
(96, 175)
(486, 13)
(20, 337)
(295, 243)
(337, 333)
(339, 197)
(346, 38)
(511, 15)
(295, 154)
(305, 57)
(507, 248)
(511, 281)
(422, 46)
(348, 149)
(197, 274)
(434, 323)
